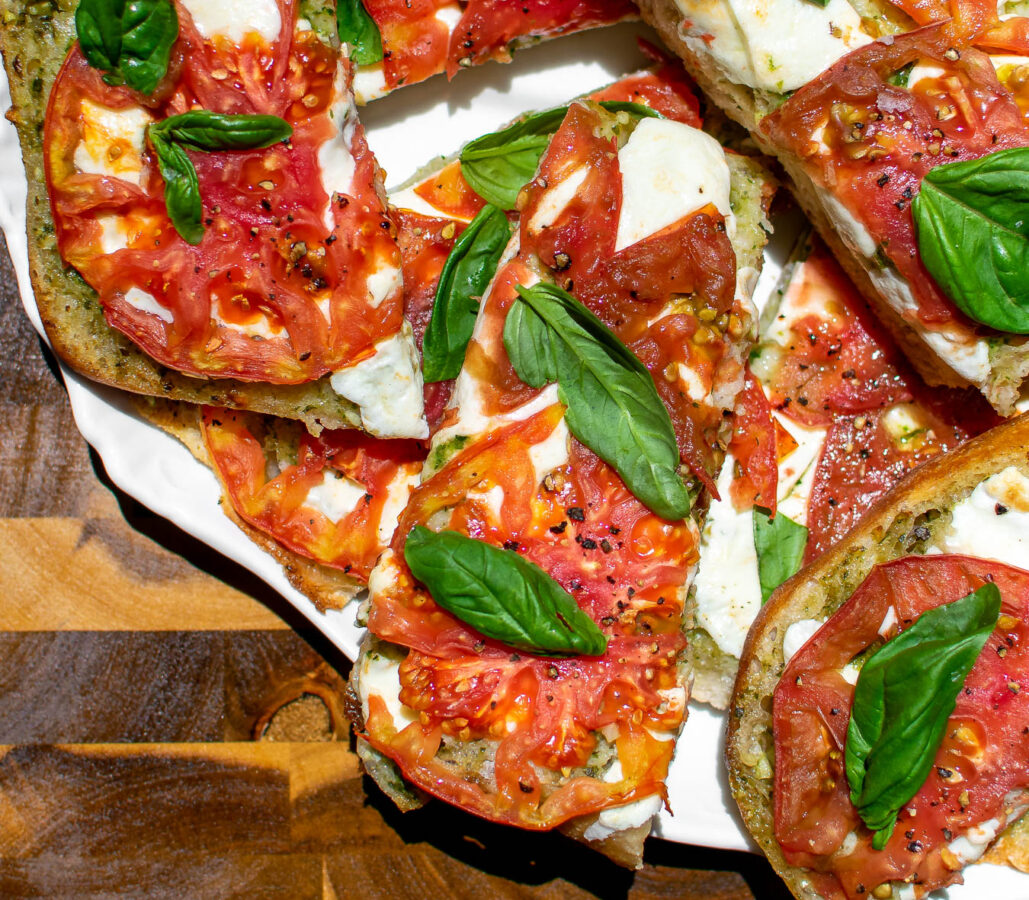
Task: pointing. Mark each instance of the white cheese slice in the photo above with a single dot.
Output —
(555, 199)
(797, 635)
(797, 470)
(551, 453)
(144, 302)
(380, 676)
(387, 386)
(772, 45)
(370, 83)
(335, 157)
(449, 14)
(112, 141)
(336, 497)
(621, 818)
(728, 590)
(398, 493)
(993, 521)
(668, 171)
(234, 19)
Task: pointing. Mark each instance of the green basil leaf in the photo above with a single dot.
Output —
(498, 165)
(358, 29)
(129, 41)
(780, 544)
(903, 697)
(501, 594)
(613, 405)
(201, 129)
(181, 189)
(465, 276)
(972, 224)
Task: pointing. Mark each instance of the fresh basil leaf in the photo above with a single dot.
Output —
(201, 129)
(498, 165)
(358, 29)
(972, 225)
(181, 189)
(613, 405)
(780, 546)
(501, 594)
(901, 77)
(129, 41)
(466, 273)
(903, 697)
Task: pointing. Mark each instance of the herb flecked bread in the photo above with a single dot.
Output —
(911, 519)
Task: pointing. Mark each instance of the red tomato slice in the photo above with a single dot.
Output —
(981, 770)
(274, 494)
(488, 28)
(281, 286)
(870, 142)
(755, 447)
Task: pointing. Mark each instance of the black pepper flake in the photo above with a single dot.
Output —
(575, 513)
(306, 355)
(612, 529)
(610, 579)
(588, 544)
(850, 373)
(882, 180)
(514, 657)
(576, 586)
(921, 533)
(346, 568)
(631, 591)
(944, 772)
(910, 834)
(948, 835)
(834, 711)
(803, 401)
(331, 239)
(559, 528)
(525, 788)
(265, 205)
(1000, 509)
(605, 545)
(367, 498)
(510, 545)
(915, 847)
(660, 601)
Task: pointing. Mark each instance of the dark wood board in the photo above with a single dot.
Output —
(169, 727)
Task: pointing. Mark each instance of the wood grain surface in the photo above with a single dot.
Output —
(169, 727)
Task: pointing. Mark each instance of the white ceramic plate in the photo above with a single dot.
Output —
(406, 130)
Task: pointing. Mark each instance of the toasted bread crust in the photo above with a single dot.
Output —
(326, 587)
(34, 47)
(1009, 362)
(924, 498)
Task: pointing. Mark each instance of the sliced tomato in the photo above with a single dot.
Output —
(870, 143)
(981, 770)
(754, 446)
(269, 469)
(280, 287)
(861, 459)
(414, 39)
(488, 28)
(448, 192)
(834, 358)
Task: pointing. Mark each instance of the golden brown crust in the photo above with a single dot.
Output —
(327, 588)
(907, 519)
(34, 38)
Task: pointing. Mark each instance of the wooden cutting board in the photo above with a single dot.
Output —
(169, 727)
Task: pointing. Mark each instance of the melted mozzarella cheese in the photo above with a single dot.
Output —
(492, 499)
(398, 493)
(234, 19)
(144, 302)
(728, 591)
(797, 635)
(379, 676)
(551, 453)
(370, 83)
(669, 170)
(797, 470)
(773, 45)
(337, 496)
(112, 141)
(621, 818)
(387, 387)
(993, 521)
(335, 156)
(383, 282)
(555, 199)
